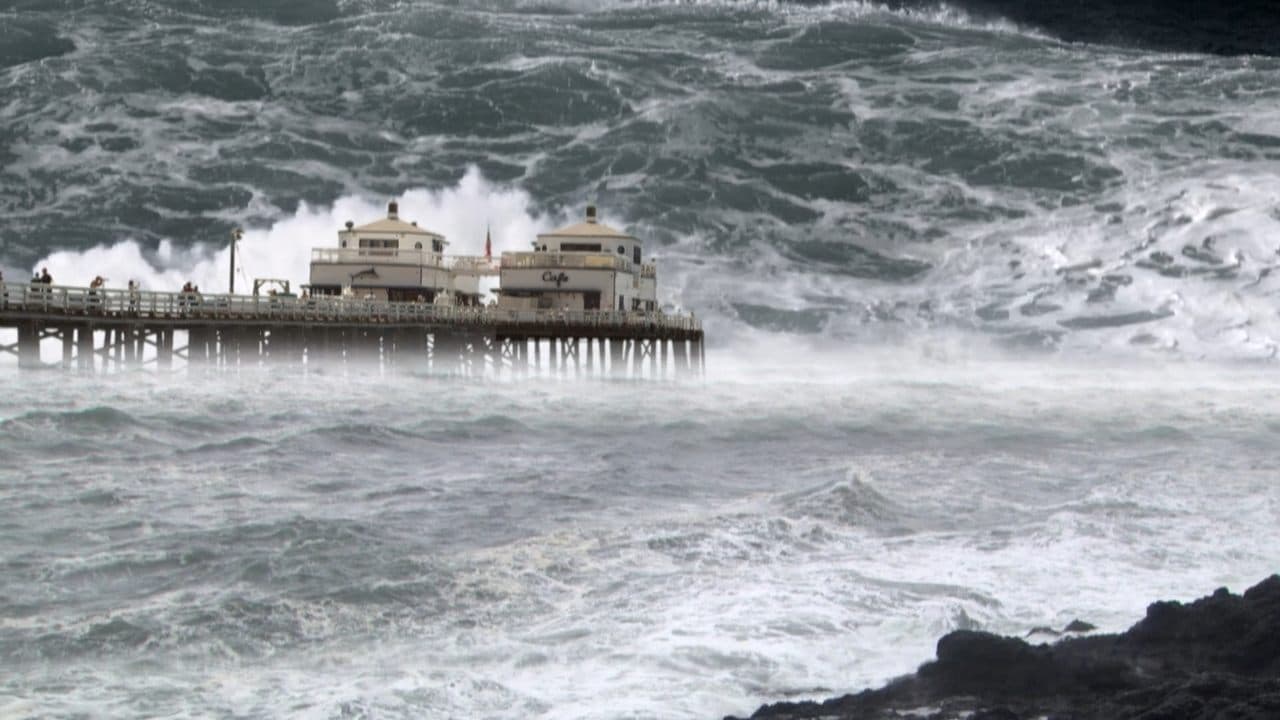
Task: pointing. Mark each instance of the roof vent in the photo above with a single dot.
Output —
(591, 213)
(393, 210)
(414, 223)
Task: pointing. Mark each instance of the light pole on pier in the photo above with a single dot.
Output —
(235, 237)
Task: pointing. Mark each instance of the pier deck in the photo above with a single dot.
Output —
(106, 329)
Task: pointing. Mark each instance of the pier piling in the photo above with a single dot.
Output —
(113, 331)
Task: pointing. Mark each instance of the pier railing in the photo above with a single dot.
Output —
(23, 299)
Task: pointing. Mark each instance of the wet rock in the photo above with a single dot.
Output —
(1218, 657)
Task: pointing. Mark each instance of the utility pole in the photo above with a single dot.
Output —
(235, 237)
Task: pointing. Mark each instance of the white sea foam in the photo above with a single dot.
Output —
(940, 13)
(690, 571)
(283, 250)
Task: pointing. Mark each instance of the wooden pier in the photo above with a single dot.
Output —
(106, 330)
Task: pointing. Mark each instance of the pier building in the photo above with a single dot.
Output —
(581, 303)
(397, 261)
(577, 268)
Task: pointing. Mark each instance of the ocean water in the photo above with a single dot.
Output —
(991, 319)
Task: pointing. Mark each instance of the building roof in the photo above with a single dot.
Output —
(392, 225)
(588, 228)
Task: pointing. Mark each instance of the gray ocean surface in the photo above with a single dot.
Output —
(991, 314)
(270, 545)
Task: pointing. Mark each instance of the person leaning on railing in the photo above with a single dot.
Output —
(95, 302)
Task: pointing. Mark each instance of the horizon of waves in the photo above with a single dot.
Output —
(1194, 282)
(852, 172)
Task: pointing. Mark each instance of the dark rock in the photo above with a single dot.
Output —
(1218, 657)
(1079, 626)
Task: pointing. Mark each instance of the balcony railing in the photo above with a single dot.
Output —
(602, 261)
(22, 300)
(376, 256)
(475, 265)
(417, 258)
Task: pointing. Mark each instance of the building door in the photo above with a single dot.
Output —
(591, 300)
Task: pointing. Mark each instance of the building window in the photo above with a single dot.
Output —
(580, 247)
(637, 254)
(417, 246)
(622, 250)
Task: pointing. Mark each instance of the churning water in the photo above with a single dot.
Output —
(992, 331)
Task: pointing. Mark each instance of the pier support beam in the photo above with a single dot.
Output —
(617, 361)
(499, 346)
(115, 342)
(28, 345)
(417, 350)
(571, 349)
(197, 346)
(444, 355)
(164, 349)
(637, 357)
(84, 348)
(130, 343)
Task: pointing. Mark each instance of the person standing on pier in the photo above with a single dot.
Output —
(45, 277)
(94, 300)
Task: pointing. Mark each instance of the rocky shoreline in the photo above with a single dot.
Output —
(1217, 657)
